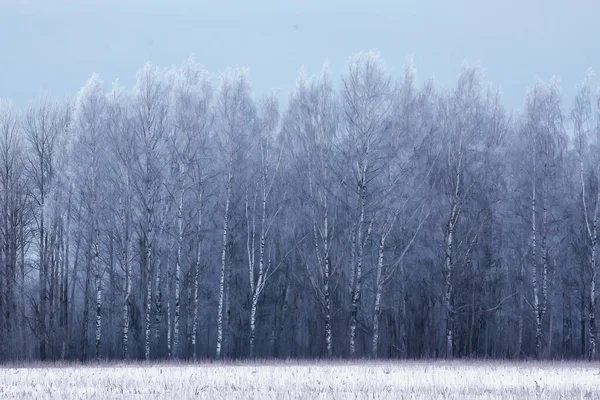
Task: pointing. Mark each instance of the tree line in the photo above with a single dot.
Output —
(369, 217)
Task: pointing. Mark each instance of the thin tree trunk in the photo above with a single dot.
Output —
(260, 282)
(449, 264)
(148, 317)
(43, 278)
(98, 315)
(65, 305)
(76, 267)
(126, 300)
(378, 290)
(592, 233)
(327, 301)
(223, 265)
(158, 306)
(98, 293)
(86, 310)
(148, 266)
(126, 261)
(22, 291)
(170, 352)
(520, 324)
(593, 240)
(178, 272)
(197, 276)
(358, 276)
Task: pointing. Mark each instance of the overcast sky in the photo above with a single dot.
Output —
(55, 45)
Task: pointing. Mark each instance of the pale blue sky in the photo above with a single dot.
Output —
(55, 45)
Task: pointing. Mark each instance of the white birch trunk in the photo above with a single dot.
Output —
(594, 240)
(197, 277)
(449, 244)
(65, 311)
(520, 324)
(126, 262)
(359, 261)
(98, 316)
(448, 285)
(378, 290)
(170, 352)
(178, 274)
(253, 311)
(536, 299)
(352, 259)
(223, 264)
(260, 282)
(327, 296)
(98, 296)
(86, 310)
(158, 302)
(325, 264)
(127, 284)
(148, 318)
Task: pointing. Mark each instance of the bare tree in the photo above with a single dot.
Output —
(234, 116)
(367, 99)
(311, 127)
(150, 112)
(261, 190)
(42, 129)
(544, 130)
(192, 122)
(89, 150)
(585, 116)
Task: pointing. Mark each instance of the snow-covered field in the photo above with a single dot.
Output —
(304, 380)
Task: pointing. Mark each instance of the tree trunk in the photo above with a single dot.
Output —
(86, 310)
(98, 290)
(449, 264)
(43, 278)
(98, 314)
(377, 306)
(148, 317)
(358, 276)
(158, 306)
(178, 273)
(520, 324)
(127, 282)
(22, 291)
(536, 297)
(65, 294)
(223, 264)
(197, 276)
(327, 300)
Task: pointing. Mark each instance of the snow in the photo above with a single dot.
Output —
(304, 380)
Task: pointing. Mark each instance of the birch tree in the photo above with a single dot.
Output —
(585, 116)
(13, 198)
(367, 98)
(260, 267)
(192, 121)
(150, 112)
(89, 150)
(120, 151)
(311, 127)
(399, 187)
(465, 141)
(544, 130)
(42, 129)
(235, 113)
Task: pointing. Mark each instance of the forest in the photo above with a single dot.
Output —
(369, 216)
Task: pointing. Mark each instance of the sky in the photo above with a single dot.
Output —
(53, 46)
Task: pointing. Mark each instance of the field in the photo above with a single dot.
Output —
(304, 380)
